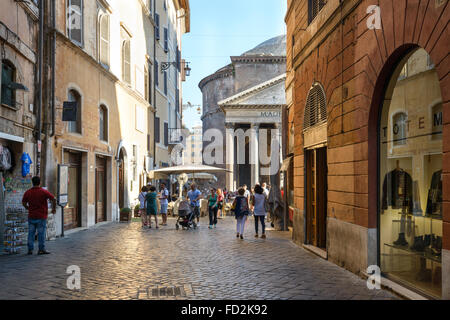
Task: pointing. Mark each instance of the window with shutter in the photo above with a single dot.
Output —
(8, 95)
(165, 83)
(166, 134)
(316, 107)
(103, 125)
(75, 126)
(75, 21)
(157, 26)
(314, 7)
(104, 39)
(157, 130)
(156, 73)
(126, 62)
(166, 40)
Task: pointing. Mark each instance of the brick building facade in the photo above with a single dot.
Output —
(346, 75)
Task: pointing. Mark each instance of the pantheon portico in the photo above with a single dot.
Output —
(253, 117)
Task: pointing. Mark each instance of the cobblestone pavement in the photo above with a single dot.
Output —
(122, 261)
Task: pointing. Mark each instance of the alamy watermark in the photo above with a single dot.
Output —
(74, 280)
(374, 280)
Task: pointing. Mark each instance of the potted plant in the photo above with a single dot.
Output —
(125, 215)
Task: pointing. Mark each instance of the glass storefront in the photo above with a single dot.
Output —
(411, 176)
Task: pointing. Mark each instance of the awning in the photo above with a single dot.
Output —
(286, 164)
(188, 169)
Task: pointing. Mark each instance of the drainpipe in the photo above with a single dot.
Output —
(154, 85)
(53, 62)
(40, 86)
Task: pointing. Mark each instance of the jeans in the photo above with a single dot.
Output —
(196, 211)
(213, 215)
(263, 224)
(40, 225)
(241, 224)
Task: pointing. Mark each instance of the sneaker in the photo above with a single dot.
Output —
(210, 227)
(237, 235)
(41, 252)
(30, 252)
(263, 236)
(256, 236)
(242, 237)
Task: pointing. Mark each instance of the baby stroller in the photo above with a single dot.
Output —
(185, 216)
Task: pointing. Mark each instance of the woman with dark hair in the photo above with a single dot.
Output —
(259, 209)
(241, 211)
(212, 208)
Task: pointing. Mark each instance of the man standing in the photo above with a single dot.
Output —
(35, 200)
(265, 190)
(246, 192)
(164, 202)
(194, 196)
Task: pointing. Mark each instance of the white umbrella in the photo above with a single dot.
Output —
(202, 176)
(188, 169)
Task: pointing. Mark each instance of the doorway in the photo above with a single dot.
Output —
(72, 213)
(100, 189)
(316, 197)
(121, 180)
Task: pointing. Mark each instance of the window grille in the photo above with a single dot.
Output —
(316, 107)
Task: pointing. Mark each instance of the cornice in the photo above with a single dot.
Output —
(258, 88)
(222, 73)
(258, 59)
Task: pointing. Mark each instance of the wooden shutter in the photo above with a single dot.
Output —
(166, 40)
(126, 63)
(165, 82)
(157, 26)
(156, 73)
(157, 130)
(104, 39)
(316, 107)
(166, 134)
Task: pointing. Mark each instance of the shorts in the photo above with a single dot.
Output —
(196, 211)
(164, 208)
(219, 205)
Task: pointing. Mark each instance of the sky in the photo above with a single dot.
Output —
(220, 29)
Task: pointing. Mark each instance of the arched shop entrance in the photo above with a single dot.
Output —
(410, 163)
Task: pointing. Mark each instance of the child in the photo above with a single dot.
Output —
(152, 206)
(142, 211)
(241, 211)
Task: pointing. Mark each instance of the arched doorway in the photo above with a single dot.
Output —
(122, 178)
(316, 175)
(410, 157)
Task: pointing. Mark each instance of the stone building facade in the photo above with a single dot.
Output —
(263, 63)
(18, 104)
(367, 126)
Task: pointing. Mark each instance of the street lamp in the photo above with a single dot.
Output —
(166, 65)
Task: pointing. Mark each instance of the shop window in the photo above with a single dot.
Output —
(75, 126)
(104, 39)
(316, 108)
(314, 7)
(126, 61)
(8, 95)
(103, 125)
(410, 189)
(399, 129)
(75, 21)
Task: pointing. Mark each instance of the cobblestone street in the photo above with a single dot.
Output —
(122, 261)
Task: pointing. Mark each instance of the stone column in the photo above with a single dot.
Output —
(254, 154)
(229, 151)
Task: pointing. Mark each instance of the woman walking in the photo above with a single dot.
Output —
(220, 203)
(142, 211)
(259, 209)
(212, 208)
(241, 211)
(152, 206)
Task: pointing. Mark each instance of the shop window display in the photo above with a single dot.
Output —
(411, 177)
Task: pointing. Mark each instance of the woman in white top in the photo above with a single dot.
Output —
(259, 209)
(142, 211)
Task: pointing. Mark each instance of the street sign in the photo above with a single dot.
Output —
(70, 111)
